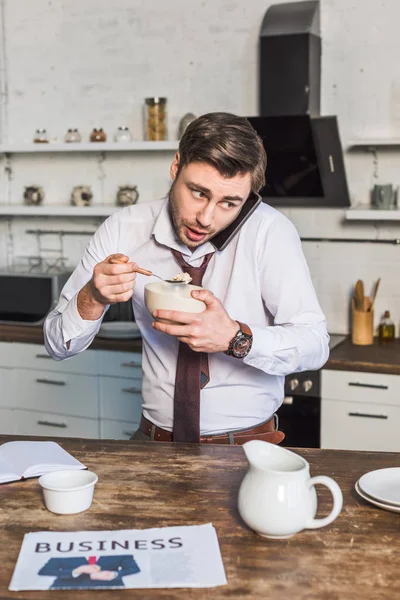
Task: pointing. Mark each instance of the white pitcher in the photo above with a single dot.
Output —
(277, 497)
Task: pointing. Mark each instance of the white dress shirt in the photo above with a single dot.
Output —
(261, 278)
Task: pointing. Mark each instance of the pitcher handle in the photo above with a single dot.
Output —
(337, 501)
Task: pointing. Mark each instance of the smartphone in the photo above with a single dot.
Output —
(222, 239)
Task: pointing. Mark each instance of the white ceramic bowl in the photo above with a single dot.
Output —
(68, 492)
(170, 296)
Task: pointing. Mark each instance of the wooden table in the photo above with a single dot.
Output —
(144, 484)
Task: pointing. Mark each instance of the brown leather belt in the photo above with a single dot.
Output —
(265, 431)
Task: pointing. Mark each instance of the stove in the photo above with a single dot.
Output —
(300, 414)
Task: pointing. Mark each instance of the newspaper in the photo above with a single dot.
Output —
(165, 557)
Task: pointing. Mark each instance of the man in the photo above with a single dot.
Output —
(82, 572)
(217, 376)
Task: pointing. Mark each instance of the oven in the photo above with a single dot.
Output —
(300, 414)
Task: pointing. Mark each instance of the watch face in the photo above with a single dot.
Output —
(242, 346)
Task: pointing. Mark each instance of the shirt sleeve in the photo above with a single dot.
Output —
(64, 323)
(298, 339)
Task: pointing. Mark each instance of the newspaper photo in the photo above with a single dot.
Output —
(166, 557)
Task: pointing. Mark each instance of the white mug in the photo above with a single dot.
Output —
(277, 497)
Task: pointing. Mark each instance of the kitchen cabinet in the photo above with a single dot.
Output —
(94, 394)
(360, 411)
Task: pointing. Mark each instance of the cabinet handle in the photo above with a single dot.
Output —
(366, 415)
(131, 364)
(51, 381)
(43, 356)
(369, 385)
(131, 390)
(50, 424)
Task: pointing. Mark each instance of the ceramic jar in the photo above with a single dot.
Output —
(81, 195)
(123, 134)
(72, 136)
(98, 135)
(127, 195)
(33, 195)
(40, 136)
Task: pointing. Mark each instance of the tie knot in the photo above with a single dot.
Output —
(196, 273)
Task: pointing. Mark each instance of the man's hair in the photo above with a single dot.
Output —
(226, 142)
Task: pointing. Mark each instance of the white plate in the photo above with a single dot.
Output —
(383, 485)
(390, 507)
(122, 330)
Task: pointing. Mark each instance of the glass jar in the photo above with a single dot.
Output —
(123, 134)
(41, 136)
(72, 136)
(98, 135)
(156, 119)
(386, 329)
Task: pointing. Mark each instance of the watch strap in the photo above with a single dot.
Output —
(245, 329)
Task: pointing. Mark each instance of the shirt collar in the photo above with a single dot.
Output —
(164, 233)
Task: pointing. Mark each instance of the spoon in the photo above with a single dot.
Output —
(150, 273)
(115, 261)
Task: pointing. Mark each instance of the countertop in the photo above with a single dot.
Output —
(33, 334)
(344, 357)
(376, 358)
(144, 485)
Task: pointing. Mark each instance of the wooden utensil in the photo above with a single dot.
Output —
(371, 306)
(359, 295)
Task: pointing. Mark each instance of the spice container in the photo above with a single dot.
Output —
(98, 135)
(72, 136)
(41, 136)
(386, 332)
(156, 119)
(123, 134)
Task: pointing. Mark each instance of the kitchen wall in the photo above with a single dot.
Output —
(86, 63)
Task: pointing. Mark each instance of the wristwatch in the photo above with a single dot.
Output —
(240, 345)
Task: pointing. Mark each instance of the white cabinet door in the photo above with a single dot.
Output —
(359, 426)
(7, 395)
(29, 422)
(120, 399)
(116, 430)
(35, 356)
(360, 387)
(120, 364)
(61, 393)
(7, 421)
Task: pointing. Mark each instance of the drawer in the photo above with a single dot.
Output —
(361, 387)
(35, 356)
(120, 364)
(29, 422)
(120, 399)
(7, 396)
(7, 421)
(358, 426)
(115, 430)
(61, 393)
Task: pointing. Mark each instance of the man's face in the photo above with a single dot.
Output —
(203, 202)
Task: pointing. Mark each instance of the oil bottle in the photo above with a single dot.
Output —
(386, 333)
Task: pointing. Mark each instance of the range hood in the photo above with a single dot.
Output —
(305, 164)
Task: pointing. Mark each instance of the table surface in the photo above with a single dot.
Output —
(144, 484)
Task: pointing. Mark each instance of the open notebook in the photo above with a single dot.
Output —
(20, 460)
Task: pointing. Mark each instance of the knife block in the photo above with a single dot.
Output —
(362, 330)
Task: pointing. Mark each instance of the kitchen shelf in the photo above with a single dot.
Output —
(167, 146)
(366, 213)
(373, 143)
(57, 210)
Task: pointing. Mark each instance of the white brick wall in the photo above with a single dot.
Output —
(86, 63)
